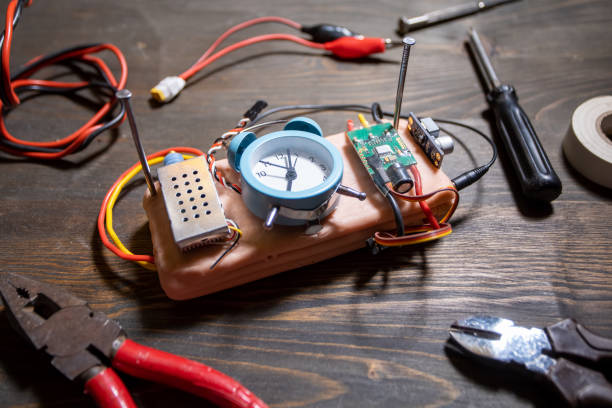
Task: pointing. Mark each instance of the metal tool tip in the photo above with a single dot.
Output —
(123, 94)
(409, 41)
(472, 32)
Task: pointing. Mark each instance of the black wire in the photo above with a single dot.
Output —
(478, 132)
(377, 113)
(347, 107)
(467, 177)
(399, 220)
(115, 119)
(48, 57)
(227, 251)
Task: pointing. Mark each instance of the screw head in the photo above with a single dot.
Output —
(123, 94)
(408, 41)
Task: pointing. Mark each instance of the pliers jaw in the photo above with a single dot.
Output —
(501, 340)
(76, 338)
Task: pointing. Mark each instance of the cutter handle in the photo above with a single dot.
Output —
(572, 340)
(580, 386)
(108, 391)
(535, 173)
(187, 375)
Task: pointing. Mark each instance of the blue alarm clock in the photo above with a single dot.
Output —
(289, 177)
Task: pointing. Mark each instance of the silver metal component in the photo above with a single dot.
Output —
(351, 192)
(271, 217)
(263, 124)
(318, 213)
(408, 42)
(390, 43)
(383, 150)
(313, 228)
(431, 126)
(445, 143)
(124, 96)
(499, 339)
(192, 203)
(483, 61)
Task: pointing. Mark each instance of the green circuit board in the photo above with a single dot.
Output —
(383, 141)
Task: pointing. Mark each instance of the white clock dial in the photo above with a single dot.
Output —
(291, 169)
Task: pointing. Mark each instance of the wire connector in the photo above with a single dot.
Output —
(167, 89)
(255, 110)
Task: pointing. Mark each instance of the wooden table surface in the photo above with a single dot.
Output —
(354, 331)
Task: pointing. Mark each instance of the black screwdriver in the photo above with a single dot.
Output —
(535, 173)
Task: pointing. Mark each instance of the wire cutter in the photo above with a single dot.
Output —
(84, 344)
(572, 358)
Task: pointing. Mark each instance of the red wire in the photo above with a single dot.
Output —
(242, 26)
(419, 191)
(102, 214)
(6, 51)
(73, 141)
(244, 43)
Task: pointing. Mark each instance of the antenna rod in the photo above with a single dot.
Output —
(124, 96)
(408, 42)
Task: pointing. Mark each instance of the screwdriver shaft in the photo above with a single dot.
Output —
(407, 24)
(483, 61)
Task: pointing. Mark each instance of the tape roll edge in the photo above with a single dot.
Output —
(596, 168)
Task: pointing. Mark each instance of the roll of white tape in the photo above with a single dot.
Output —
(588, 143)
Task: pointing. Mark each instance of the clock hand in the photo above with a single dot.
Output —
(273, 164)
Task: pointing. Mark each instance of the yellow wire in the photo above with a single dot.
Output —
(111, 205)
(238, 230)
(363, 120)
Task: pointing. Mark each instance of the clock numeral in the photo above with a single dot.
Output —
(262, 173)
(324, 178)
(323, 167)
(279, 156)
(311, 158)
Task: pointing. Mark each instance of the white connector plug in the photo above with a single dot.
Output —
(167, 89)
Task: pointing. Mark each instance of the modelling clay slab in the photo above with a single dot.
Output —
(263, 253)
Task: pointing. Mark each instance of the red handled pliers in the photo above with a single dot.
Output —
(81, 343)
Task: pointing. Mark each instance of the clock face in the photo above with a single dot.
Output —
(291, 164)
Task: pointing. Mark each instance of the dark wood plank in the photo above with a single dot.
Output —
(356, 330)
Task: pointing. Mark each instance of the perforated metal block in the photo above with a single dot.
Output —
(192, 203)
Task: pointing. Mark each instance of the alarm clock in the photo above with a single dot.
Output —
(289, 177)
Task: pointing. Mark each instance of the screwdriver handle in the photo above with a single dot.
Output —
(535, 173)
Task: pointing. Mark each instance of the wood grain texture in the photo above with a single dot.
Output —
(357, 330)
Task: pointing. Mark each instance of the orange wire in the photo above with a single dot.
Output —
(242, 26)
(241, 44)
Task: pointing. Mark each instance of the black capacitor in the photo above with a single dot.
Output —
(400, 178)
